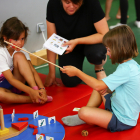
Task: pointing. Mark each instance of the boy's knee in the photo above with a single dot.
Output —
(82, 113)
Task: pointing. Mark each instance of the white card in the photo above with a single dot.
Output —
(13, 115)
(54, 44)
(39, 137)
(51, 120)
(14, 112)
(41, 122)
(49, 138)
(76, 109)
(35, 114)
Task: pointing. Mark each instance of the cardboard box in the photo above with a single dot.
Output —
(37, 61)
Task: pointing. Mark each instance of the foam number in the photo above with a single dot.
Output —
(41, 122)
(39, 137)
(49, 138)
(51, 120)
(35, 114)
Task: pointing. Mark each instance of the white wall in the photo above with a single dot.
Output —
(30, 12)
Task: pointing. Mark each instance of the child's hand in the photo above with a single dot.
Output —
(51, 80)
(43, 94)
(36, 98)
(103, 91)
(69, 70)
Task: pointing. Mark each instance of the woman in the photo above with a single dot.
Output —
(83, 23)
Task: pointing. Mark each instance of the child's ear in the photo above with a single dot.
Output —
(5, 38)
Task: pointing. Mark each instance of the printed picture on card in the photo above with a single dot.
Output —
(54, 44)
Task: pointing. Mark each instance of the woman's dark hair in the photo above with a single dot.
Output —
(75, 1)
(122, 43)
(12, 29)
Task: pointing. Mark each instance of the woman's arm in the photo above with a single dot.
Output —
(101, 28)
(51, 56)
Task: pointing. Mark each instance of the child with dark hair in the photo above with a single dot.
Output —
(16, 67)
(120, 91)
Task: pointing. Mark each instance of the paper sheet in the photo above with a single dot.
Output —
(54, 44)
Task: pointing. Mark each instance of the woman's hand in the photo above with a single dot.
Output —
(71, 45)
(69, 70)
(50, 80)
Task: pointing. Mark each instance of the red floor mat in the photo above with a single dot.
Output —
(61, 97)
(65, 99)
(95, 132)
